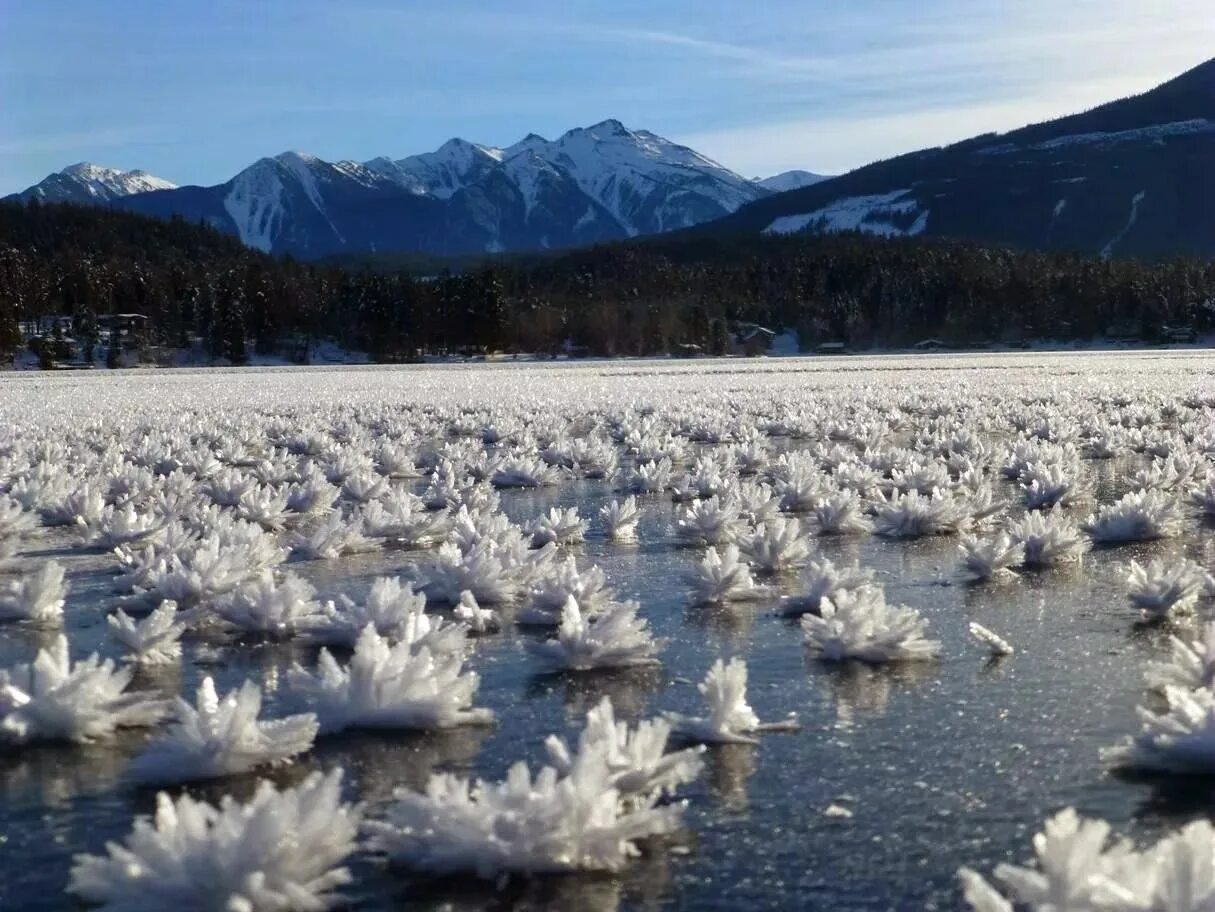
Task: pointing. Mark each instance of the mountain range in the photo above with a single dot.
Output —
(592, 184)
(1130, 178)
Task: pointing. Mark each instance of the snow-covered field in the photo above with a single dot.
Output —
(802, 633)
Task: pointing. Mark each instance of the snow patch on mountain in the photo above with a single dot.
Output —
(255, 204)
(1108, 250)
(870, 214)
(85, 182)
(448, 169)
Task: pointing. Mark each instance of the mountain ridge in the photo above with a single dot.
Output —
(591, 184)
(1126, 178)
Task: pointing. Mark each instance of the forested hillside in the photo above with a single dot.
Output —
(199, 287)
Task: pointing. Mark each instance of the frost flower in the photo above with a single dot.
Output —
(1139, 516)
(620, 520)
(38, 597)
(54, 700)
(860, 625)
(549, 824)
(617, 638)
(984, 559)
(219, 738)
(1191, 664)
(731, 719)
(1179, 740)
(389, 687)
(823, 580)
(281, 852)
(776, 545)
(1048, 539)
(156, 640)
(562, 527)
(1157, 590)
(636, 758)
(724, 577)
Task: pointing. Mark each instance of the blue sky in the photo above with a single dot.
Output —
(194, 90)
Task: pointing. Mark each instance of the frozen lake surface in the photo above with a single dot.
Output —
(900, 773)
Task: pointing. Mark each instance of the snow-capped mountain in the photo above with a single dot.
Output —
(1128, 178)
(88, 183)
(790, 180)
(590, 185)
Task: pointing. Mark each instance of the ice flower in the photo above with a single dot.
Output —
(1077, 870)
(912, 515)
(38, 597)
(776, 545)
(1158, 590)
(617, 638)
(636, 758)
(1179, 740)
(334, 537)
(53, 700)
(279, 609)
(983, 559)
(648, 477)
(281, 852)
(480, 570)
(385, 686)
(124, 525)
(1138, 516)
(156, 640)
(404, 521)
(823, 580)
(222, 737)
(708, 522)
(558, 585)
(620, 519)
(524, 472)
(393, 608)
(1191, 664)
(266, 506)
(1047, 485)
(479, 620)
(840, 513)
(1048, 539)
(723, 576)
(549, 824)
(860, 625)
(997, 645)
(558, 526)
(731, 719)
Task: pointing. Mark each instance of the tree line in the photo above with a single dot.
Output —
(198, 287)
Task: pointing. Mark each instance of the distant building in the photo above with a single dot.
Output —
(1179, 334)
(751, 339)
(832, 348)
(929, 345)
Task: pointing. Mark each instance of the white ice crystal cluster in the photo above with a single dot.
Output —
(585, 813)
(406, 686)
(219, 737)
(730, 719)
(54, 699)
(859, 624)
(615, 638)
(283, 850)
(1079, 868)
